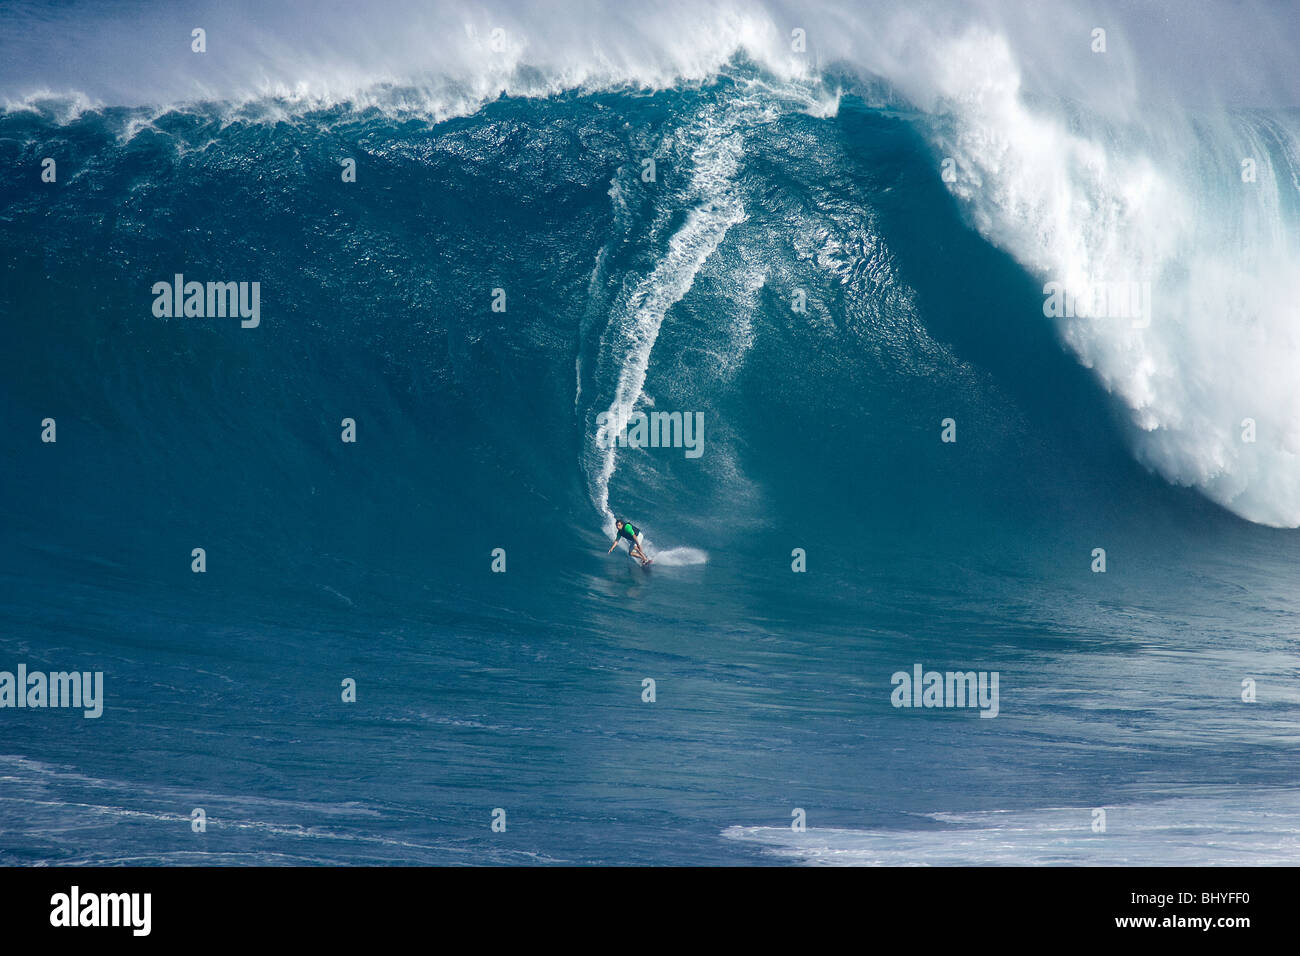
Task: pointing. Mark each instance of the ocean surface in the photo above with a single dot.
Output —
(832, 253)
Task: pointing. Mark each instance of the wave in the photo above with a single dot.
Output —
(1203, 368)
(805, 272)
(401, 57)
(1087, 167)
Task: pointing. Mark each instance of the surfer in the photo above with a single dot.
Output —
(625, 529)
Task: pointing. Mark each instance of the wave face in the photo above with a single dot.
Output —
(594, 215)
(1091, 167)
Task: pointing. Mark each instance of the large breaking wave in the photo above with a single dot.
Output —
(1122, 164)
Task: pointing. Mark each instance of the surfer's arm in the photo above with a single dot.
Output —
(612, 547)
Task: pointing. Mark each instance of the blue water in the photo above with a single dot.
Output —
(522, 690)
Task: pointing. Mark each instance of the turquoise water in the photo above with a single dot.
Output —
(522, 690)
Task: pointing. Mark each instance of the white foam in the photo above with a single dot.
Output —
(713, 208)
(438, 59)
(680, 557)
(1248, 827)
(1080, 199)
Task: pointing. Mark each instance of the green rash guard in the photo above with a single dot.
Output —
(628, 530)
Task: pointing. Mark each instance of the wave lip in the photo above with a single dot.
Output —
(438, 59)
(1149, 198)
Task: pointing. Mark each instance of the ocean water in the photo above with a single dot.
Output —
(802, 272)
